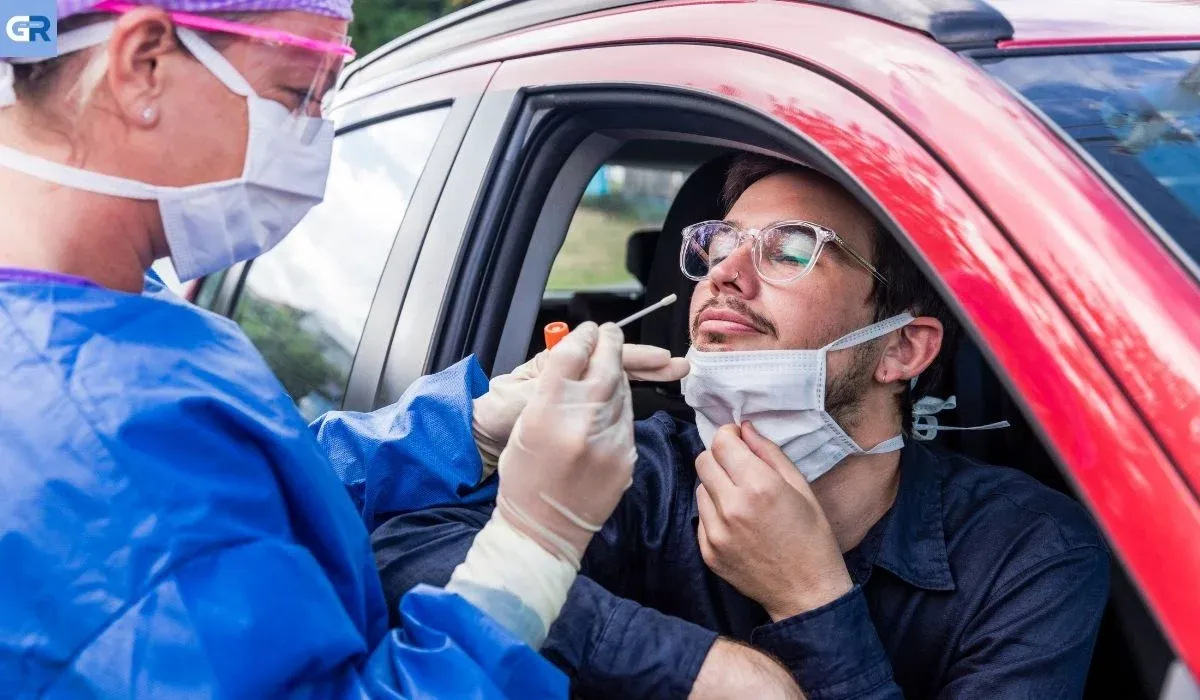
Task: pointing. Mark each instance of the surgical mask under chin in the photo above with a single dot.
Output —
(211, 226)
(782, 393)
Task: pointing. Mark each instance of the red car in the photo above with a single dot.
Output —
(1038, 158)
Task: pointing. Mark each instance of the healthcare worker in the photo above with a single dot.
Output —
(169, 526)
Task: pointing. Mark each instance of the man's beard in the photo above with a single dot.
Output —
(844, 399)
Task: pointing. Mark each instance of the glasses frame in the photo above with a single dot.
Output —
(823, 235)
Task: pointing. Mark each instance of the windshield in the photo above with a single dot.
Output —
(1136, 114)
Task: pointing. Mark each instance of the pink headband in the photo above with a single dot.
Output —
(338, 9)
(213, 24)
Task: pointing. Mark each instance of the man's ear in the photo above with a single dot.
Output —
(141, 38)
(910, 350)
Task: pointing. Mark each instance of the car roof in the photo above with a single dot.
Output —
(958, 24)
(1100, 19)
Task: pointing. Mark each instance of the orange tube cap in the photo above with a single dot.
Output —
(555, 332)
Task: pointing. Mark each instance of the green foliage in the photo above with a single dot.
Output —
(377, 22)
(292, 351)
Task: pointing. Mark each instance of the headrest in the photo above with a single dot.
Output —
(639, 253)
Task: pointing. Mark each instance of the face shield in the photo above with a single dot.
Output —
(298, 71)
(211, 225)
(308, 64)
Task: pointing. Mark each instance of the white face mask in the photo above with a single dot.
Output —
(211, 226)
(782, 393)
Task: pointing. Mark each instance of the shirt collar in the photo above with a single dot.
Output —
(910, 541)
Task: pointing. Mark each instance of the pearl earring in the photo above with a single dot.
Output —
(148, 114)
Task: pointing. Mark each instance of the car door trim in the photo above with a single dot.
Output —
(432, 276)
(375, 344)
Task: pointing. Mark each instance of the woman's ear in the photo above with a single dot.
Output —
(141, 38)
(910, 350)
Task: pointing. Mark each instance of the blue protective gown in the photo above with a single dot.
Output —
(170, 527)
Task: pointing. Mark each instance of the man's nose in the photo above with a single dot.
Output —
(736, 272)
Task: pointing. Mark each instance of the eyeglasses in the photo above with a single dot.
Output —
(782, 252)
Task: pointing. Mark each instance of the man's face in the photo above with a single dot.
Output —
(735, 309)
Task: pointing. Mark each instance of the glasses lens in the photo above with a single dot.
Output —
(788, 252)
(705, 245)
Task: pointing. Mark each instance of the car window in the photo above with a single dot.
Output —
(209, 287)
(305, 303)
(1136, 114)
(619, 201)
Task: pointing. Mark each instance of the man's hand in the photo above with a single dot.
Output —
(761, 528)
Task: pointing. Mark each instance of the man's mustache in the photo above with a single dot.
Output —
(757, 320)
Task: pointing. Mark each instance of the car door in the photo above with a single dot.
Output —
(320, 306)
(798, 94)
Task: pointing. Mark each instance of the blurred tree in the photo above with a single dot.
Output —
(294, 349)
(377, 22)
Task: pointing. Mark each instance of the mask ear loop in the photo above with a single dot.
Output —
(858, 337)
(871, 332)
(217, 64)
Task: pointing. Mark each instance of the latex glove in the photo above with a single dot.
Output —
(571, 455)
(495, 413)
(564, 471)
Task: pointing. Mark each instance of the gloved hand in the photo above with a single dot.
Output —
(495, 413)
(571, 454)
(569, 461)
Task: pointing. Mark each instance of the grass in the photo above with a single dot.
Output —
(593, 254)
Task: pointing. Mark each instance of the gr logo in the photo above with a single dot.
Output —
(26, 28)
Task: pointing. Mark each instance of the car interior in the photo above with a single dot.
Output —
(1120, 668)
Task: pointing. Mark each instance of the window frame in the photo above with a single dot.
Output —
(416, 324)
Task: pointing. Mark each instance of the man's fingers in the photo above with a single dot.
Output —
(676, 368)
(736, 458)
(653, 364)
(770, 453)
(706, 551)
(724, 446)
(708, 510)
(712, 527)
(569, 359)
(636, 357)
(714, 478)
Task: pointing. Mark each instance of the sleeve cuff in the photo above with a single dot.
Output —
(617, 648)
(667, 649)
(831, 652)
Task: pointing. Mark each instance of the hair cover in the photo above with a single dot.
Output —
(339, 9)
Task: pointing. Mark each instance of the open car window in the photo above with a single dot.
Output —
(1136, 114)
(620, 202)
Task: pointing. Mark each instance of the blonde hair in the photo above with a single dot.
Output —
(89, 79)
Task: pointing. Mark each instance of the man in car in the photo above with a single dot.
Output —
(794, 516)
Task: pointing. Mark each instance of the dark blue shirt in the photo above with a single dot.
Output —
(979, 582)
